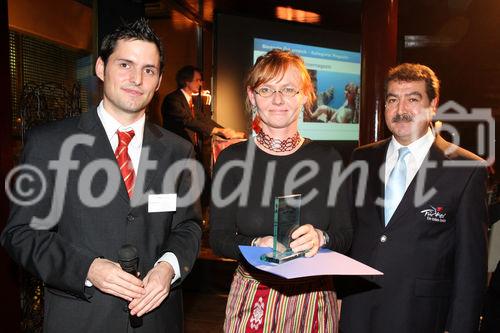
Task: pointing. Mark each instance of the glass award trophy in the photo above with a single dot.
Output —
(286, 221)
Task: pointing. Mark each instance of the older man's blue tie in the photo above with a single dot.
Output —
(396, 185)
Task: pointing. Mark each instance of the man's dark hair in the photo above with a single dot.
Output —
(138, 30)
(415, 72)
(186, 74)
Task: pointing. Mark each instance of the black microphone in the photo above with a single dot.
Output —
(128, 258)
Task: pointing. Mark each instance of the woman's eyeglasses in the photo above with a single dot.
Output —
(285, 92)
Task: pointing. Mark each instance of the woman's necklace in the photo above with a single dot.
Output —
(278, 145)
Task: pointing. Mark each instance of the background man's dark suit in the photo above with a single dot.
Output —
(177, 117)
(61, 257)
(434, 271)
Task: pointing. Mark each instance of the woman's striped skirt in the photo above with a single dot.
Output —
(261, 302)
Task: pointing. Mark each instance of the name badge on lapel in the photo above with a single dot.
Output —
(162, 203)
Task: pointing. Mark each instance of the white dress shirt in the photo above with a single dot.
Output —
(111, 125)
(418, 151)
(189, 97)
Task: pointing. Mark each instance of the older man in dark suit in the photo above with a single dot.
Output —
(428, 235)
(110, 178)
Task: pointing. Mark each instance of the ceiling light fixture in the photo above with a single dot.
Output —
(297, 15)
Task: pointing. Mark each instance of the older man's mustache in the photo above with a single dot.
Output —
(403, 117)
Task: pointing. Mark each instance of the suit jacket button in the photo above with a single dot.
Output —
(130, 218)
(383, 238)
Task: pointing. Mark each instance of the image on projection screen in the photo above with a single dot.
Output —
(336, 77)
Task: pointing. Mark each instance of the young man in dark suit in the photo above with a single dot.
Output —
(422, 221)
(106, 180)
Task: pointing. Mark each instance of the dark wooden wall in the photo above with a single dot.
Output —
(460, 41)
(8, 277)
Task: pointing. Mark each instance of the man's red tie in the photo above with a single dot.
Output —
(193, 113)
(124, 161)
